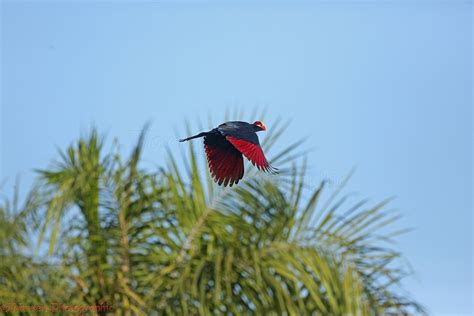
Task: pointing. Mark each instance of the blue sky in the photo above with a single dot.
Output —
(382, 86)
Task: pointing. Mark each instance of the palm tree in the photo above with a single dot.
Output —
(171, 242)
(100, 191)
(26, 279)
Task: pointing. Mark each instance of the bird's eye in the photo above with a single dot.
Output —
(259, 124)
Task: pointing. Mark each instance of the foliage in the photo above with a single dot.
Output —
(25, 279)
(172, 242)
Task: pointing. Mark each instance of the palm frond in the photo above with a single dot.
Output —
(172, 242)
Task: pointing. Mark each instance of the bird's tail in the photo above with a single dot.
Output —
(195, 136)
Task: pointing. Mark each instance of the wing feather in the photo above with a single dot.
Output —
(225, 161)
(252, 152)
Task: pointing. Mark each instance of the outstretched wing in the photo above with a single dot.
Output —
(253, 152)
(225, 161)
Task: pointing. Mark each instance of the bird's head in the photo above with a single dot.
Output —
(259, 126)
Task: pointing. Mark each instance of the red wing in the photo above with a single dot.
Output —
(253, 152)
(225, 162)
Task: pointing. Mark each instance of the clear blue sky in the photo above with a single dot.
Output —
(383, 86)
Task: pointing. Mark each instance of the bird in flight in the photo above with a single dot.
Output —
(225, 145)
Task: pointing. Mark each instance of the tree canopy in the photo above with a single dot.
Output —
(171, 242)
